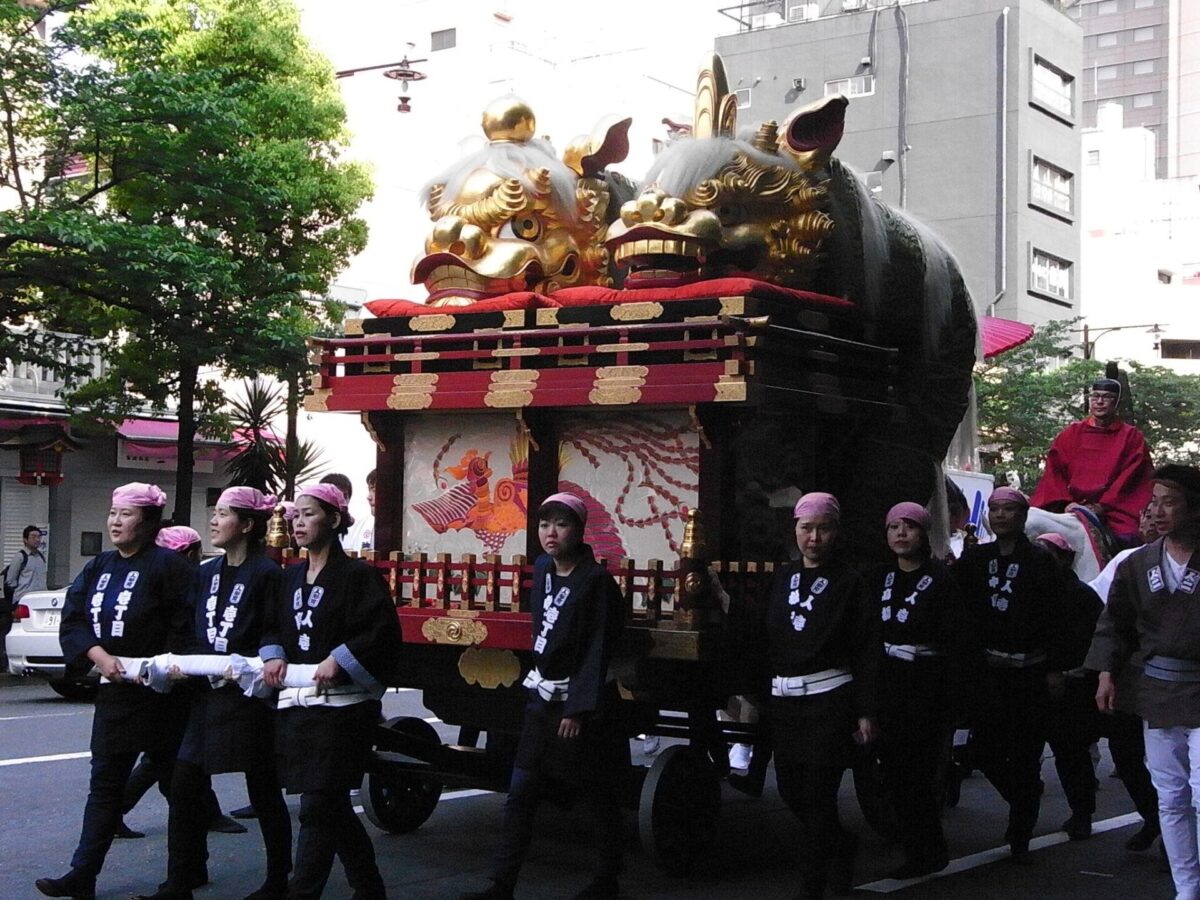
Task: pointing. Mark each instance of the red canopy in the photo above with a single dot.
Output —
(156, 438)
(1000, 335)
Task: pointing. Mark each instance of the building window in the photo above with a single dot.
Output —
(1180, 349)
(1143, 67)
(1108, 39)
(854, 86)
(1050, 275)
(1144, 4)
(1053, 88)
(1143, 101)
(1107, 73)
(1052, 187)
(1093, 157)
(443, 40)
(1143, 34)
(1106, 7)
(743, 98)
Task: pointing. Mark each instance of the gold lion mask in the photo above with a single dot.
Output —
(513, 217)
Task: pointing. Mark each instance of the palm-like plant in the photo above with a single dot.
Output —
(259, 459)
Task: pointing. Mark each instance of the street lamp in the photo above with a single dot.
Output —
(401, 71)
(1090, 336)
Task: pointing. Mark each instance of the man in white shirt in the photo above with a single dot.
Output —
(26, 572)
(361, 535)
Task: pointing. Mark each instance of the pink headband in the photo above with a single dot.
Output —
(1009, 495)
(177, 537)
(136, 493)
(1057, 540)
(817, 503)
(914, 512)
(570, 501)
(326, 493)
(247, 498)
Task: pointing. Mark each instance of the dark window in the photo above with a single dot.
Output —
(1180, 349)
(442, 40)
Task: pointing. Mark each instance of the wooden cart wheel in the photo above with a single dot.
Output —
(678, 809)
(400, 802)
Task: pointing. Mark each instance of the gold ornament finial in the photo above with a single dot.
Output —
(693, 546)
(277, 530)
(509, 119)
(716, 108)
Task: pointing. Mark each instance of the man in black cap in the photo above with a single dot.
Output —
(1101, 463)
(1152, 612)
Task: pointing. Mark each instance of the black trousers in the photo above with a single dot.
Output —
(811, 792)
(328, 828)
(590, 767)
(144, 776)
(1009, 733)
(1127, 744)
(910, 754)
(519, 809)
(1072, 727)
(102, 812)
(187, 825)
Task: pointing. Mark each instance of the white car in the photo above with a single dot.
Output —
(33, 649)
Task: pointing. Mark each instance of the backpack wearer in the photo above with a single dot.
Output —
(10, 590)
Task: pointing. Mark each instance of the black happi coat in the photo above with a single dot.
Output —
(577, 620)
(347, 613)
(922, 608)
(228, 731)
(1142, 617)
(1013, 602)
(129, 606)
(832, 624)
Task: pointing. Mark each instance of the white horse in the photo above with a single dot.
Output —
(1090, 553)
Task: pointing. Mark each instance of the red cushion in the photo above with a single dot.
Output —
(516, 300)
(715, 287)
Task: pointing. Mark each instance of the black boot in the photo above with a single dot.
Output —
(496, 891)
(1078, 827)
(73, 885)
(1145, 837)
(603, 887)
(841, 869)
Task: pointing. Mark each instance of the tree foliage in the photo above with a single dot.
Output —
(212, 205)
(262, 461)
(1028, 395)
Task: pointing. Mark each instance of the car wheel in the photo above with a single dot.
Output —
(75, 690)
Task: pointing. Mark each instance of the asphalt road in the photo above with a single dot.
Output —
(43, 782)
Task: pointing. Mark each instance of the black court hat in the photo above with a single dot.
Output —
(1111, 385)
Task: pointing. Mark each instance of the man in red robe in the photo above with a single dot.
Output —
(1101, 463)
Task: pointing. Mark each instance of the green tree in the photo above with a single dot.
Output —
(1028, 395)
(212, 134)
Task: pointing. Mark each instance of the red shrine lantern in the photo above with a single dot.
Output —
(42, 465)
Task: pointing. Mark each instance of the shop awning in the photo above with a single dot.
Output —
(157, 439)
(1000, 335)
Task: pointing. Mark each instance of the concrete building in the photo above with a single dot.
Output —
(72, 511)
(1145, 56)
(1141, 249)
(964, 112)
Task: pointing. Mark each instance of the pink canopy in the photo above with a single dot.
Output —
(156, 439)
(1000, 335)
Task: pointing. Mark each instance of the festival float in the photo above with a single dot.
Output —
(688, 353)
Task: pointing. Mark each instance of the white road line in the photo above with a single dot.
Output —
(43, 716)
(986, 857)
(25, 760)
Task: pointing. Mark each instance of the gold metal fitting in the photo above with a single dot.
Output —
(277, 530)
(509, 119)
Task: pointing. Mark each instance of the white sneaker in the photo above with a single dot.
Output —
(739, 756)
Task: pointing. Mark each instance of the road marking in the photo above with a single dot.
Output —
(43, 716)
(41, 759)
(986, 857)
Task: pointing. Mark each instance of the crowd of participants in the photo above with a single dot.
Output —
(1005, 637)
